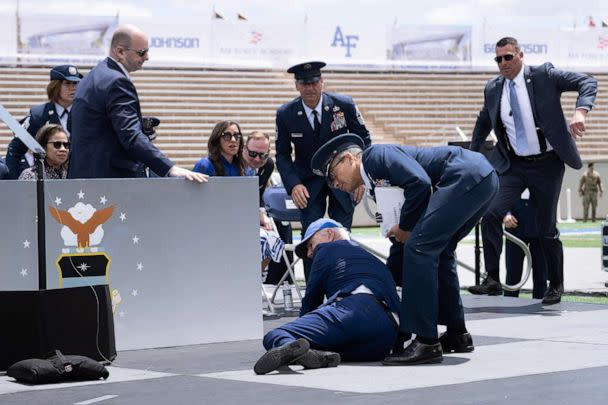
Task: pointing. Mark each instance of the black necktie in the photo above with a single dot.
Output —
(317, 126)
(68, 125)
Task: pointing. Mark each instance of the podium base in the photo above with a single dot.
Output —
(74, 320)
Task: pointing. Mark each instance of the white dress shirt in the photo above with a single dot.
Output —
(526, 112)
(310, 115)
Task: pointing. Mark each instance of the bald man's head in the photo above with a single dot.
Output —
(129, 46)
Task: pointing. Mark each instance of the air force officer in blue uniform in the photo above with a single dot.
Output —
(308, 122)
(523, 107)
(60, 91)
(447, 190)
(358, 322)
(108, 140)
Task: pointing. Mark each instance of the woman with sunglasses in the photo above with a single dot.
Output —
(55, 142)
(60, 92)
(225, 148)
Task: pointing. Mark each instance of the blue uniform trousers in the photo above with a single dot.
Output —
(358, 327)
(431, 291)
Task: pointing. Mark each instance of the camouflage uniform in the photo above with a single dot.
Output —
(588, 188)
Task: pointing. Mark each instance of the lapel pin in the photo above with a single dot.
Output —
(337, 108)
(51, 112)
(326, 108)
(299, 112)
(528, 81)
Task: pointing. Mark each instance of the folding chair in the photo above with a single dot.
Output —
(280, 207)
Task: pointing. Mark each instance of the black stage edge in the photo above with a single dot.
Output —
(35, 323)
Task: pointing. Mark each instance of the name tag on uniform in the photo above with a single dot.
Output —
(297, 134)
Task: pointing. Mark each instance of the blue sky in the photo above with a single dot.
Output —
(366, 12)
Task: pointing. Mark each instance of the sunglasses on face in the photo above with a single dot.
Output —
(261, 155)
(140, 52)
(508, 57)
(227, 136)
(58, 144)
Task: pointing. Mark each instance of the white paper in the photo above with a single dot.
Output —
(289, 204)
(389, 201)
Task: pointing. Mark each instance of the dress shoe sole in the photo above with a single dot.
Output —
(319, 359)
(551, 302)
(464, 349)
(397, 362)
(281, 356)
(485, 293)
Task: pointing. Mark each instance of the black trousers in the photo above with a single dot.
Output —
(514, 259)
(544, 180)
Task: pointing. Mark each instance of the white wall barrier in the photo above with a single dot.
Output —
(181, 259)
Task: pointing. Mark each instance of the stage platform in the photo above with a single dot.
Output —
(524, 353)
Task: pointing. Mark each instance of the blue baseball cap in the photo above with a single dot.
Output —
(313, 228)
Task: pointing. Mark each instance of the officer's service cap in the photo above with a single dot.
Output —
(308, 72)
(313, 228)
(321, 160)
(66, 72)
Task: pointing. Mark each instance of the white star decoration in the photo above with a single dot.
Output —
(123, 216)
(84, 267)
(103, 200)
(57, 201)
(26, 244)
(134, 293)
(23, 272)
(140, 266)
(81, 195)
(135, 240)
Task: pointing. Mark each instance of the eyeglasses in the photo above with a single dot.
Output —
(140, 52)
(331, 176)
(508, 57)
(261, 155)
(227, 136)
(58, 144)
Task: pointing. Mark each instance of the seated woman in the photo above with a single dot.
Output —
(55, 142)
(225, 148)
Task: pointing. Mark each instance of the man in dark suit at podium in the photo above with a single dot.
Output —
(523, 107)
(308, 122)
(107, 135)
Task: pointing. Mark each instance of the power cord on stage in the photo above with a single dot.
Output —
(76, 269)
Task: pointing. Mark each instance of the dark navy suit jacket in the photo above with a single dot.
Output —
(545, 86)
(340, 267)
(293, 127)
(422, 171)
(107, 138)
(15, 154)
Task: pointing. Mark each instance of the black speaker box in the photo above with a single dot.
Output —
(75, 320)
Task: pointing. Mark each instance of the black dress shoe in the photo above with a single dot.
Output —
(488, 287)
(553, 294)
(319, 359)
(281, 356)
(456, 343)
(416, 353)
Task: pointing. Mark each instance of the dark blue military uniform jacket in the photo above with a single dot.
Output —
(340, 115)
(339, 268)
(422, 171)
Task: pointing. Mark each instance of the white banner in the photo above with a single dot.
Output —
(439, 45)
